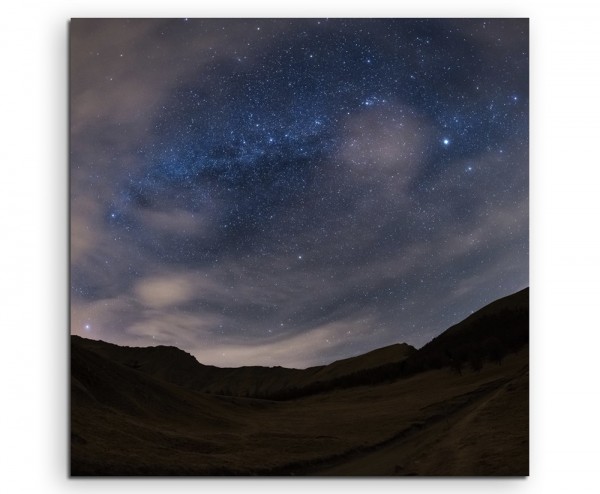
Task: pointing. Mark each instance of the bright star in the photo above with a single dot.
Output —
(446, 142)
(87, 327)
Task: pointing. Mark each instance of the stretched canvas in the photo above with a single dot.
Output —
(299, 247)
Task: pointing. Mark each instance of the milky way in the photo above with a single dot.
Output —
(291, 192)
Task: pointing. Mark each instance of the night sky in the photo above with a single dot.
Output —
(292, 192)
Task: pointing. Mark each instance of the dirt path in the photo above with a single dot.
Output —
(454, 438)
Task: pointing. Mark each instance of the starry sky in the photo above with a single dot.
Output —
(294, 191)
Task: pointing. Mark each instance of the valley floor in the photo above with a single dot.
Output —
(434, 423)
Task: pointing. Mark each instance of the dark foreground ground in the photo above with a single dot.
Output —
(134, 418)
(435, 423)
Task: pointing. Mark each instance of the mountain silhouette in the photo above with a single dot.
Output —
(456, 406)
(175, 366)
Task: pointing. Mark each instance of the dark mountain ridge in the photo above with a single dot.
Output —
(175, 366)
(487, 334)
(153, 411)
(492, 332)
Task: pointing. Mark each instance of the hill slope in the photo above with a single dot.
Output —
(175, 366)
(124, 422)
(489, 333)
(135, 411)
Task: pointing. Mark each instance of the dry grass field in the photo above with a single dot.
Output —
(440, 421)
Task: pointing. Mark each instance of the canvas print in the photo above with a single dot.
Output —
(299, 247)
